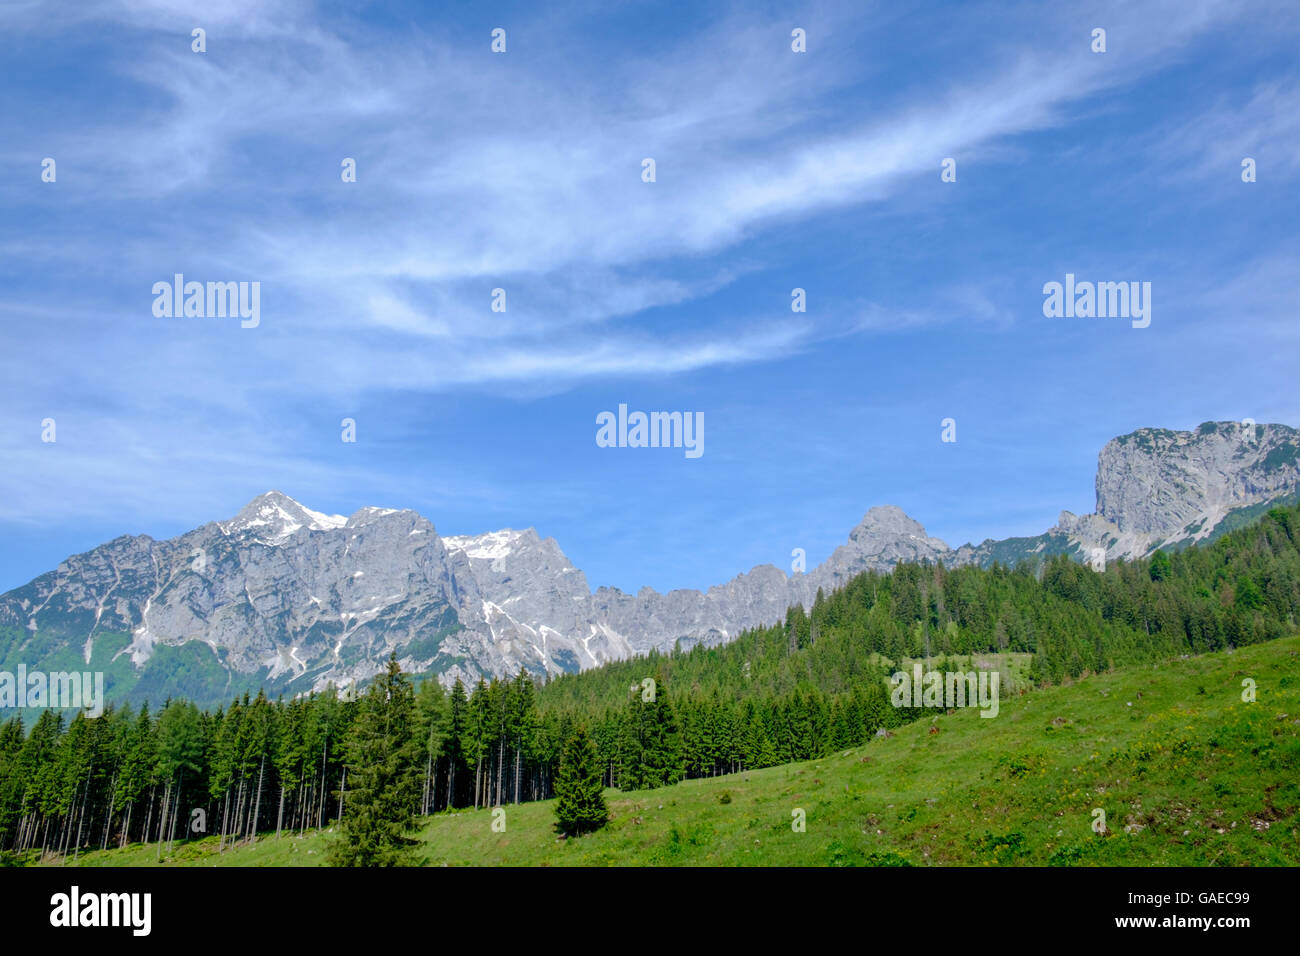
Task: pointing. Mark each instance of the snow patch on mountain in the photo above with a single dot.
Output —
(493, 546)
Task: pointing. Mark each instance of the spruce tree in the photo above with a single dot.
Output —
(661, 746)
(457, 743)
(384, 777)
(431, 707)
(581, 804)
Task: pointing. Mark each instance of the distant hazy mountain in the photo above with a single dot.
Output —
(288, 598)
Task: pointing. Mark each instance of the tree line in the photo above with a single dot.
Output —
(271, 766)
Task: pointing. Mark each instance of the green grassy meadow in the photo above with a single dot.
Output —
(1185, 771)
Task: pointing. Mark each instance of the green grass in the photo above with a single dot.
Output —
(1186, 772)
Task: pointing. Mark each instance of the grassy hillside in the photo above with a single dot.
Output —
(1186, 772)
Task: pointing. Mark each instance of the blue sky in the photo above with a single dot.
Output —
(522, 171)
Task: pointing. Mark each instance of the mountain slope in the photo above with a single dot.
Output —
(291, 599)
(1187, 774)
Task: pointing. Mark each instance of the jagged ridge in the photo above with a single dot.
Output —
(293, 598)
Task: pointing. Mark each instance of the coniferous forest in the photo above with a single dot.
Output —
(808, 685)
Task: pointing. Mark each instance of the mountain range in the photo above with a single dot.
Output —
(291, 599)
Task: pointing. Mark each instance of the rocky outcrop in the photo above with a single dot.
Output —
(1157, 487)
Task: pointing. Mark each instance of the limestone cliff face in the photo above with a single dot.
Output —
(1157, 487)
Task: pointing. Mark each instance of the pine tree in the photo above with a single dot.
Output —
(384, 777)
(289, 755)
(581, 804)
(180, 753)
(457, 743)
(139, 765)
(431, 707)
(523, 724)
(477, 744)
(661, 746)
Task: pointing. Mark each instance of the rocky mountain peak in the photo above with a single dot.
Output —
(1155, 482)
(885, 536)
(889, 520)
(273, 517)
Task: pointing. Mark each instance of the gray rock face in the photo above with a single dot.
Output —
(295, 599)
(277, 590)
(524, 596)
(1157, 487)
